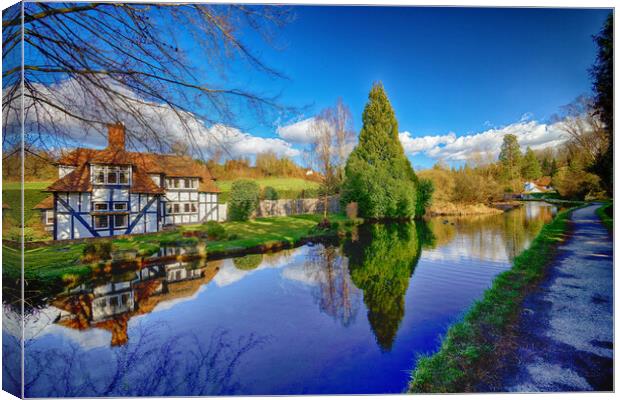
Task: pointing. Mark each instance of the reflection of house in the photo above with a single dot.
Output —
(110, 306)
(112, 191)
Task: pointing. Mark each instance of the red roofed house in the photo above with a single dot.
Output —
(112, 191)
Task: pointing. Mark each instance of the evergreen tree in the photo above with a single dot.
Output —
(510, 157)
(531, 166)
(554, 168)
(603, 76)
(378, 175)
(546, 166)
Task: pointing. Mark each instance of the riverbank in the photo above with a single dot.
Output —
(464, 355)
(563, 340)
(62, 263)
(606, 214)
(457, 209)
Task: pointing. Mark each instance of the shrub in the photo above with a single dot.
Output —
(270, 193)
(425, 195)
(97, 251)
(233, 236)
(243, 199)
(215, 231)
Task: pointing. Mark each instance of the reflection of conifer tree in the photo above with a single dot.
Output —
(381, 263)
(335, 294)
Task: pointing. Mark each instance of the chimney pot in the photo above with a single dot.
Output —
(116, 136)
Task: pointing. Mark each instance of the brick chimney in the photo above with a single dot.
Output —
(116, 136)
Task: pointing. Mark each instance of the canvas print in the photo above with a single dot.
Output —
(276, 199)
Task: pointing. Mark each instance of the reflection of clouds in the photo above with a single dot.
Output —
(168, 304)
(229, 274)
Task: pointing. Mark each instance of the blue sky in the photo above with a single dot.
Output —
(460, 70)
(459, 79)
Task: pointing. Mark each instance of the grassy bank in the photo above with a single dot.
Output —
(606, 214)
(62, 262)
(465, 354)
(11, 195)
(287, 188)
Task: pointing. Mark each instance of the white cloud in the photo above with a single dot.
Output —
(452, 148)
(165, 123)
(298, 132)
(414, 146)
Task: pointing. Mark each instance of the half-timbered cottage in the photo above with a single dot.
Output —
(112, 191)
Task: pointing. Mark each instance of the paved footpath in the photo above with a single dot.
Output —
(565, 336)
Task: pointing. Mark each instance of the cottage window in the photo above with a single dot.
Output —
(101, 221)
(100, 206)
(49, 217)
(110, 175)
(120, 206)
(99, 175)
(120, 221)
(188, 183)
(123, 176)
(124, 298)
(176, 208)
(186, 207)
(193, 207)
(114, 301)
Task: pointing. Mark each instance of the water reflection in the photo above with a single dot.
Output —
(334, 291)
(110, 305)
(382, 260)
(343, 318)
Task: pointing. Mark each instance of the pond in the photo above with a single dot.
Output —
(318, 319)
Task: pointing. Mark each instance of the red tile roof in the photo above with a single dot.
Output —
(149, 163)
(77, 180)
(45, 204)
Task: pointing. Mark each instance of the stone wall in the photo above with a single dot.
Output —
(284, 207)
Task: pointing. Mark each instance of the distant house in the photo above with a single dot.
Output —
(113, 191)
(541, 185)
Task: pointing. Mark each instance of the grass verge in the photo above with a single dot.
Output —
(606, 214)
(469, 345)
(62, 263)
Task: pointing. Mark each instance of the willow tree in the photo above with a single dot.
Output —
(165, 70)
(378, 175)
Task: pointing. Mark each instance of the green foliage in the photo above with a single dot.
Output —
(510, 157)
(97, 251)
(531, 167)
(270, 193)
(470, 343)
(378, 245)
(378, 175)
(249, 262)
(425, 196)
(602, 74)
(573, 183)
(215, 230)
(243, 199)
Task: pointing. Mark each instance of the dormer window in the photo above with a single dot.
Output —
(110, 175)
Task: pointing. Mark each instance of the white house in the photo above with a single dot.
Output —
(112, 192)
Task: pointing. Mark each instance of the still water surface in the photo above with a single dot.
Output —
(348, 318)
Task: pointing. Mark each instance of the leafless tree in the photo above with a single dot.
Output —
(333, 135)
(88, 64)
(584, 128)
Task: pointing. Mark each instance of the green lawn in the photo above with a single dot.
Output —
(286, 187)
(11, 196)
(62, 262)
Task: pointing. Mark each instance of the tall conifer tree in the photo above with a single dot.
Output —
(379, 177)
